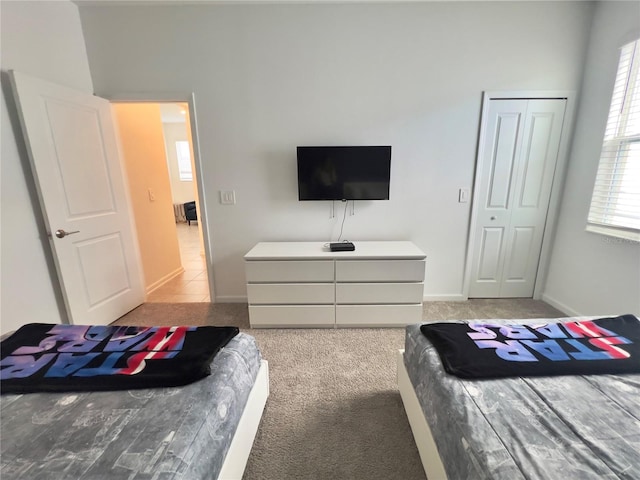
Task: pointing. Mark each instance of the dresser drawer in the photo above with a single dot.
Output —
(289, 271)
(292, 316)
(377, 293)
(380, 270)
(378, 315)
(290, 293)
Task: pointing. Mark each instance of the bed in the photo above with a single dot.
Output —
(569, 426)
(202, 430)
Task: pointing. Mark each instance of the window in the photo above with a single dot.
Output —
(184, 161)
(615, 204)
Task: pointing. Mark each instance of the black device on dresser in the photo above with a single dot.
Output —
(342, 247)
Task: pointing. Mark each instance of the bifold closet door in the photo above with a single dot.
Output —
(517, 162)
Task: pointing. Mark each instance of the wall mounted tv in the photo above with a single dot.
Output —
(344, 173)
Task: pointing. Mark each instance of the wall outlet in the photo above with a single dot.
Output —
(152, 196)
(228, 197)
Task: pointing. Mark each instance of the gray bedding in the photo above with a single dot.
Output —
(164, 433)
(565, 427)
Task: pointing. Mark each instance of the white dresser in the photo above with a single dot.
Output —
(304, 284)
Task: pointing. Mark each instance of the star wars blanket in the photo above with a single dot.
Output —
(482, 349)
(47, 357)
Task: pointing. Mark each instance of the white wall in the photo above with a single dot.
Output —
(43, 39)
(592, 274)
(270, 77)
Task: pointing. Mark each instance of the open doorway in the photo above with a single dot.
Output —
(158, 154)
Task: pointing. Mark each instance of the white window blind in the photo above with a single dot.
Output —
(615, 204)
(184, 160)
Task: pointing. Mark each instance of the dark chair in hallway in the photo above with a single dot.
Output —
(190, 212)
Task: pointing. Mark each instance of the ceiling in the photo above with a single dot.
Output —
(172, 112)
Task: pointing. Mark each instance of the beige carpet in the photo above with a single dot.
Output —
(334, 411)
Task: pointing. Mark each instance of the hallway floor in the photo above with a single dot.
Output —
(192, 285)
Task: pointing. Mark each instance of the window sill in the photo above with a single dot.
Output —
(623, 236)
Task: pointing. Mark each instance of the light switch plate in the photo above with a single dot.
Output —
(228, 197)
(463, 195)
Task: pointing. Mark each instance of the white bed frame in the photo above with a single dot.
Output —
(242, 441)
(427, 449)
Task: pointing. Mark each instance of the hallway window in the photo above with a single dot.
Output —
(184, 161)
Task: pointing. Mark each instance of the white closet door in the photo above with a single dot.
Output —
(519, 152)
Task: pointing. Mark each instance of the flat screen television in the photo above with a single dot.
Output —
(344, 173)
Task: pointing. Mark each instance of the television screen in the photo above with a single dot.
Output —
(344, 173)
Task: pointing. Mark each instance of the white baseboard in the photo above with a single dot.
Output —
(456, 297)
(231, 299)
(560, 306)
(156, 285)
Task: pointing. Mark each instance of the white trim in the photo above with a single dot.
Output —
(611, 231)
(556, 188)
(169, 276)
(568, 311)
(452, 297)
(533, 94)
(422, 435)
(144, 97)
(236, 459)
(555, 198)
(232, 299)
(190, 99)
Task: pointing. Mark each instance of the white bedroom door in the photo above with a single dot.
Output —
(75, 160)
(518, 156)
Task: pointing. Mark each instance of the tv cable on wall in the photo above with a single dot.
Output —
(343, 173)
(344, 246)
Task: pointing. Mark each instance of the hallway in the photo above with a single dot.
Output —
(192, 285)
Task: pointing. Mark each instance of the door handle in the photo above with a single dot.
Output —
(493, 217)
(60, 233)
